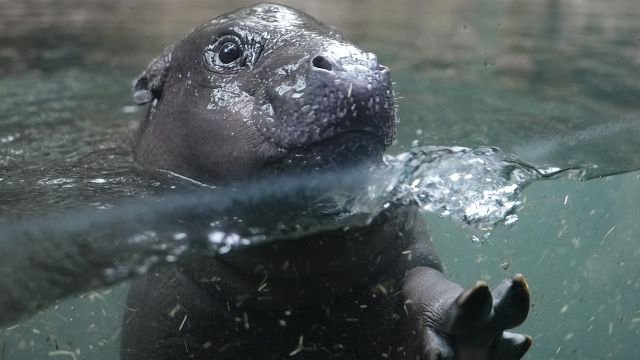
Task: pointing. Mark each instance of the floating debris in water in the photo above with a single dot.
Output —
(299, 347)
(129, 109)
(70, 354)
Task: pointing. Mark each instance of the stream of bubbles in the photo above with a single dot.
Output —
(476, 187)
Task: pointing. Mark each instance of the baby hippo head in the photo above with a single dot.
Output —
(262, 90)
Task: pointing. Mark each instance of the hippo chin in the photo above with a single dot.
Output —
(265, 90)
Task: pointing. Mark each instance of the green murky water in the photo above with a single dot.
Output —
(553, 82)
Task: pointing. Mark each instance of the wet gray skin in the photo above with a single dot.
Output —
(268, 89)
(255, 91)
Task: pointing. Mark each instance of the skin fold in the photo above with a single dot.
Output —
(267, 90)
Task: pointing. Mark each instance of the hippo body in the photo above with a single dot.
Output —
(267, 90)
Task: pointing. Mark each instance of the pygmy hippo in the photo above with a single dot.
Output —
(262, 91)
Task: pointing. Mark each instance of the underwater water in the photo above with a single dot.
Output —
(554, 83)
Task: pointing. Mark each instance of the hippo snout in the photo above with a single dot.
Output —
(333, 96)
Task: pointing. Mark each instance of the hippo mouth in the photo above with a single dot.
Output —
(326, 106)
(342, 127)
(348, 148)
(348, 145)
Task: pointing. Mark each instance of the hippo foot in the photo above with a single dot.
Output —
(452, 323)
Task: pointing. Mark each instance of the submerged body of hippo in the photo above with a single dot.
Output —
(267, 90)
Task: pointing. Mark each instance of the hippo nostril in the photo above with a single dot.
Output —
(321, 62)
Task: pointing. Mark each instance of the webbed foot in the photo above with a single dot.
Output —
(464, 324)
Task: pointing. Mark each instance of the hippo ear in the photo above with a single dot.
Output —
(148, 85)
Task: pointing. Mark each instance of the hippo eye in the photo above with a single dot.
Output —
(227, 53)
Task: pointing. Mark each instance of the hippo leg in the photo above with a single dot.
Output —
(449, 322)
(164, 317)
